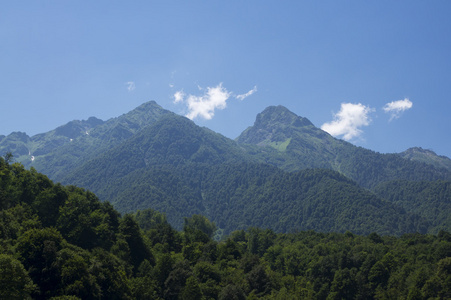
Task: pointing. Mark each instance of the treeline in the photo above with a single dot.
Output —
(61, 242)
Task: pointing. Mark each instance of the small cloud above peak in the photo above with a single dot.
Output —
(204, 106)
(348, 121)
(212, 98)
(396, 108)
(130, 86)
(243, 96)
(179, 96)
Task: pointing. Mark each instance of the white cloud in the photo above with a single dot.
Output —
(204, 106)
(179, 96)
(243, 96)
(130, 86)
(348, 121)
(395, 108)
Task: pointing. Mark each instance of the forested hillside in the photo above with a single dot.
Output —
(240, 196)
(430, 200)
(61, 242)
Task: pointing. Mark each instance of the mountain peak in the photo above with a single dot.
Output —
(279, 115)
(427, 156)
(274, 124)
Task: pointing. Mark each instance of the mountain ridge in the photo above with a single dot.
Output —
(54, 154)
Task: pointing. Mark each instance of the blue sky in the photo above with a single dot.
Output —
(376, 73)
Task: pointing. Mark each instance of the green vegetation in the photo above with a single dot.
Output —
(281, 146)
(61, 242)
(430, 200)
(239, 195)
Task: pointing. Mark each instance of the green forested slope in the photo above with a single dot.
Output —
(172, 141)
(322, 200)
(237, 196)
(430, 200)
(61, 242)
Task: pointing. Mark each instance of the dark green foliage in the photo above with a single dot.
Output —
(86, 222)
(131, 233)
(15, 284)
(191, 290)
(38, 250)
(115, 258)
(236, 196)
(149, 218)
(232, 292)
(430, 200)
(198, 229)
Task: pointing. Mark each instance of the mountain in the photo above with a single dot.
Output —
(320, 200)
(301, 145)
(27, 148)
(16, 143)
(58, 151)
(172, 142)
(181, 169)
(428, 157)
(282, 173)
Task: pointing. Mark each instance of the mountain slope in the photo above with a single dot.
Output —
(428, 157)
(301, 145)
(322, 200)
(26, 148)
(238, 196)
(171, 141)
(57, 152)
(297, 140)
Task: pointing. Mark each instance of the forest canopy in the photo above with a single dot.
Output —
(61, 242)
